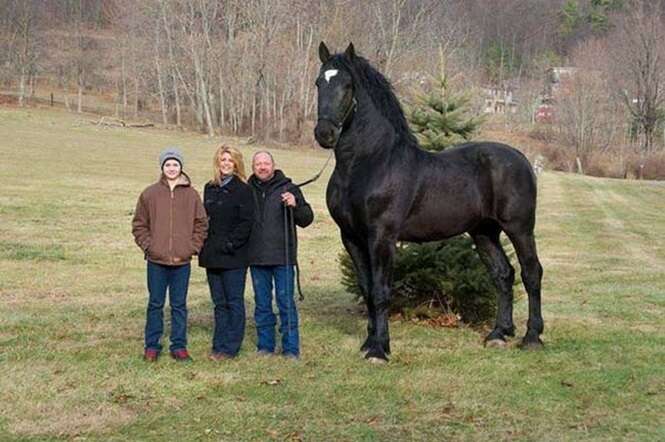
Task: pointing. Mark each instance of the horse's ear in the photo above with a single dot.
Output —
(350, 51)
(324, 53)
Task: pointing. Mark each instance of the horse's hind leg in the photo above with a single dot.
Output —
(360, 258)
(492, 254)
(532, 274)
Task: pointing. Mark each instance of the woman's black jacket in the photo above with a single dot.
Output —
(230, 217)
(267, 245)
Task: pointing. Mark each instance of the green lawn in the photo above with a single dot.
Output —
(72, 291)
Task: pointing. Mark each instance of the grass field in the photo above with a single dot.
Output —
(72, 310)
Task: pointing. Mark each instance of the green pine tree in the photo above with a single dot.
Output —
(570, 18)
(441, 118)
(436, 278)
(598, 16)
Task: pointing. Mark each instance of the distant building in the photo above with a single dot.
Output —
(545, 113)
(499, 100)
(556, 81)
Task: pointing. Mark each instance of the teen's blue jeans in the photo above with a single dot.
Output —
(227, 290)
(263, 278)
(176, 280)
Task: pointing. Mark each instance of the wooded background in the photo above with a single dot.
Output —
(248, 67)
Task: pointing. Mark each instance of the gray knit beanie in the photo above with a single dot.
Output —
(171, 153)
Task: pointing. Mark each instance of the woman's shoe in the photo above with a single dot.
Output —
(181, 355)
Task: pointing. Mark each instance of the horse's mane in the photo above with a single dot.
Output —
(379, 90)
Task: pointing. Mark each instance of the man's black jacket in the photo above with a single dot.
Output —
(267, 245)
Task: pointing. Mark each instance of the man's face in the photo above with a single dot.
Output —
(263, 167)
(171, 169)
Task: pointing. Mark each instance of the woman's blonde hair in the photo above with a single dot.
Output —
(238, 164)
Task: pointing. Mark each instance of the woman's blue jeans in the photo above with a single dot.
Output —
(262, 281)
(176, 280)
(227, 290)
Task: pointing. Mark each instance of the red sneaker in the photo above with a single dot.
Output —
(150, 355)
(181, 355)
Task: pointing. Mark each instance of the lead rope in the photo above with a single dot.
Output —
(292, 226)
(289, 225)
(318, 175)
(350, 111)
(289, 277)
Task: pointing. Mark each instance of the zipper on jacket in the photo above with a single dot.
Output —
(171, 229)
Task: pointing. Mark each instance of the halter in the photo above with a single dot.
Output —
(349, 112)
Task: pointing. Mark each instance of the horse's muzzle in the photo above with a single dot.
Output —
(326, 134)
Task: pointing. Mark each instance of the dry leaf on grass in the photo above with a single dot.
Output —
(272, 382)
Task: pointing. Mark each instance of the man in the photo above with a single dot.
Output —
(169, 225)
(279, 204)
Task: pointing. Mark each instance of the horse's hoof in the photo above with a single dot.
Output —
(376, 361)
(376, 356)
(495, 343)
(531, 345)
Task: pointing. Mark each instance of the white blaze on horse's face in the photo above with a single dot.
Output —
(330, 73)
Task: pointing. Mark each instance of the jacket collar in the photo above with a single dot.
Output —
(278, 179)
(183, 180)
(234, 182)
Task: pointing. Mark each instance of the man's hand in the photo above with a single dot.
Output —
(288, 199)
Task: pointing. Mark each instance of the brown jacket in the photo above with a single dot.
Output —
(170, 226)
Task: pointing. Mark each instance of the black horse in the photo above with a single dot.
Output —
(386, 189)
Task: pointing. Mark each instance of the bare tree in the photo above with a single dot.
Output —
(639, 67)
(22, 47)
(172, 60)
(589, 118)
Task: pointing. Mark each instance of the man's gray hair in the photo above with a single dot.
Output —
(262, 152)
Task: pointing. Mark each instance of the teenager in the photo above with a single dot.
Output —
(169, 225)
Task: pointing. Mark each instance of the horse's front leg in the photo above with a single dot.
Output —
(360, 257)
(382, 253)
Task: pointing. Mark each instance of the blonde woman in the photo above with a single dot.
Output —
(229, 204)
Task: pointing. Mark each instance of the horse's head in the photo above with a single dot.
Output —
(336, 102)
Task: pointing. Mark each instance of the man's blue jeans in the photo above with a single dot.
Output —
(262, 281)
(227, 290)
(176, 279)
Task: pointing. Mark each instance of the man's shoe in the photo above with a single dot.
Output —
(181, 355)
(217, 357)
(264, 353)
(150, 355)
(292, 356)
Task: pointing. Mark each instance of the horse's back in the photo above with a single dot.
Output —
(507, 183)
(503, 164)
(480, 181)
(496, 155)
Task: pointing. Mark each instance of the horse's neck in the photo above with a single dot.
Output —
(363, 143)
(372, 137)
(369, 131)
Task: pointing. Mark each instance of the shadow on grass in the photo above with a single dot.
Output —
(333, 308)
